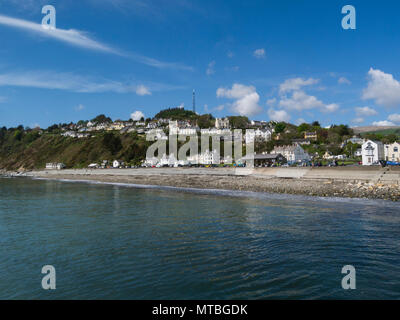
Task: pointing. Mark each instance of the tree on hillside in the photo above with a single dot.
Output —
(102, 119)
(304, 127)
(205, 121)
(316, 124)
(239, 122)
(176, 114)
(112, 142)
(280, 127)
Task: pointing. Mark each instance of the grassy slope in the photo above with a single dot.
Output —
(16, 154)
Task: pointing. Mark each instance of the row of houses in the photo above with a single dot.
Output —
(175, 127)
(285, 154)
(375, 151)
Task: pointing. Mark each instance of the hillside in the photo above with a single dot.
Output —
(176, 114)
(376, 129)
(29, 150)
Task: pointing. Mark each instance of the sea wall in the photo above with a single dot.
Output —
(352, 174)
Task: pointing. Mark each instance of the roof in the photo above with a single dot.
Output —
(285, 148)
(263, 157)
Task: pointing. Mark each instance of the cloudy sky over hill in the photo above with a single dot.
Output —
(269, 60)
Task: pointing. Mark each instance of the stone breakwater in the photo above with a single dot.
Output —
(353, 182)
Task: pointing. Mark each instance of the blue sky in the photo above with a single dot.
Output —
(269, 60)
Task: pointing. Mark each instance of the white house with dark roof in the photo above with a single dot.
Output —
(372, 152)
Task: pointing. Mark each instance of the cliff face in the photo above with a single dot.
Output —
(27, 150)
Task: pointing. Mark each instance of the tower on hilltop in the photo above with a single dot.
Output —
(194, 101)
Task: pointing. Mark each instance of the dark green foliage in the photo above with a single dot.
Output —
(280, 127)
(32, 150)
(239, 122)
(101, 119)
(176, 114)
(112, 142)
(206, 121)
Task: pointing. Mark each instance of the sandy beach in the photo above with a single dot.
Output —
(353, 182)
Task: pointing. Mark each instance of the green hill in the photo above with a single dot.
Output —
(30, 150)
(176, 114)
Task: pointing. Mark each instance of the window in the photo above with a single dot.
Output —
(396, 149)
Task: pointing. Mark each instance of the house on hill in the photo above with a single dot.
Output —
(311, 135)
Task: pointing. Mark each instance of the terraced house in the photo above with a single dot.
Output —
(392, 152)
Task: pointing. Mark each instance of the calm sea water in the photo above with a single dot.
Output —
(120, 242)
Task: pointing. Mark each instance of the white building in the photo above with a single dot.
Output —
(151, 162)
(258, 134)
(117, 163)
(356, 140)
(71, 134)
(206, 158)
(372, 152)
(293, 153)
(55, 166)
(188, 131)
(222, 123)
(392, 152)
(169, 161)
(182, 128)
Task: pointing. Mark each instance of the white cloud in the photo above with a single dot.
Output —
(74, 37)
(296, 84)
(137, 115)
(300, 121)
(246, 97)
(294, 98)
(394, 118)
(365, 111)
(210, 69)
(384, 123)
(72, 82)
(142, 90)
(343, 80)
(259, 53)
(83, 40)
(271, 102)
(358, 120)
(300, 101)
(383, 88)
(220, 107)
(329, 108)
(278, 115)
(80, 107)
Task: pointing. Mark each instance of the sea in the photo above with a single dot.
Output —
(120, 241)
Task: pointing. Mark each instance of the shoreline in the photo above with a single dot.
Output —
(316, 183)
